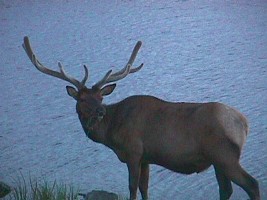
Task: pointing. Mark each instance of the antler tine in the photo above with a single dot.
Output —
(103, 81)
(134, 53)
(85, 76)
(133, 70)
(123, 72)
(128, 66)
(61, 75)
(66, 77)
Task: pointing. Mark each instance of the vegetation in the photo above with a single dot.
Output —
(33, 189)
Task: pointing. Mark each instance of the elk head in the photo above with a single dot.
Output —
(89, 100)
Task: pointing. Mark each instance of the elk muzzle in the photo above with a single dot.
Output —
(93, 118)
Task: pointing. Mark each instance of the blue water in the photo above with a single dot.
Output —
(195, 51)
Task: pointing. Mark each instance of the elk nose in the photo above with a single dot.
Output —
(100, 112)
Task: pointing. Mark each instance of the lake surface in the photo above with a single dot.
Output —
(195, 51)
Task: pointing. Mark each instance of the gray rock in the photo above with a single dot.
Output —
(4, 189)
(100, 195)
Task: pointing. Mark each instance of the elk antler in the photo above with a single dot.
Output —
(123, 72)
(62, 75)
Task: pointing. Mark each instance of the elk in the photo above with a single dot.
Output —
(141, 130)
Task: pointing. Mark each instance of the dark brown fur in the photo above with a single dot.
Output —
(182, 137)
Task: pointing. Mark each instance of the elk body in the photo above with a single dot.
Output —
(143, 130)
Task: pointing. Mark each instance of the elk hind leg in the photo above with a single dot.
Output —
(239, 176)
(230, 167)
(225, 186)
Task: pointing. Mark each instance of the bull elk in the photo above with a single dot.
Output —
(143, 130)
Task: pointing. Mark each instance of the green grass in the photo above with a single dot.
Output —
(33, 189)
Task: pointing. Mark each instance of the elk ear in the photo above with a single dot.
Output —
(107, 89)
(72, 92)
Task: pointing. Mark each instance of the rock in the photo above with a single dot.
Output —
(100, 195)
(4, 189)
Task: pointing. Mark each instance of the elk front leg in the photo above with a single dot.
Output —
(134, 174)
(143, 182)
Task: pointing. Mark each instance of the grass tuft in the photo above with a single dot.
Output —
(33, 189)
